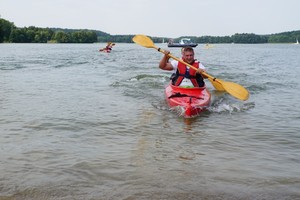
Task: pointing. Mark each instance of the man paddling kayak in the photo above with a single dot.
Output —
(186, 92)
(183, 75)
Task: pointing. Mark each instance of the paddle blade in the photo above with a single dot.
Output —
(235, 90)
(216, 84)
(144, 41)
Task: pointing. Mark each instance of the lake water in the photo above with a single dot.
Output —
(76, 123)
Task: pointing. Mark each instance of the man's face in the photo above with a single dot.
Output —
(188, 56)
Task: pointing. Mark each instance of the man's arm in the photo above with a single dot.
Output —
(164, 63)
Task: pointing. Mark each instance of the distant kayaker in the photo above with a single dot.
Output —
(108, 47)
(182, 74)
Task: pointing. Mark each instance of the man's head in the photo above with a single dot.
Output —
(188, 54)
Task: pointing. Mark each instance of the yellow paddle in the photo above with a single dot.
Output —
(233, 89)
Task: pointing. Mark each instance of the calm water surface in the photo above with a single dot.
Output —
(79, 124)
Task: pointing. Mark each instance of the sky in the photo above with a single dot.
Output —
(157, 18)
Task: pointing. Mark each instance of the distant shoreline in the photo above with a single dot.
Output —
(9, 33)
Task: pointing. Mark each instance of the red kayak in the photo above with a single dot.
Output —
(105, 50)
(190, 101)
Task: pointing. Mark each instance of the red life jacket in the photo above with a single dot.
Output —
(183, 72)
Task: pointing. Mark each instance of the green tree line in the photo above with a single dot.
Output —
(10, 33)
(246, 38)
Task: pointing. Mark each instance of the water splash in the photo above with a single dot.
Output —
(225, 105)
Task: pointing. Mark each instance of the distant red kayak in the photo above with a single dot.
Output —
(105, 50)
(191, 101)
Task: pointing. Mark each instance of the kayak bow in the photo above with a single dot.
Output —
(190, 102)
